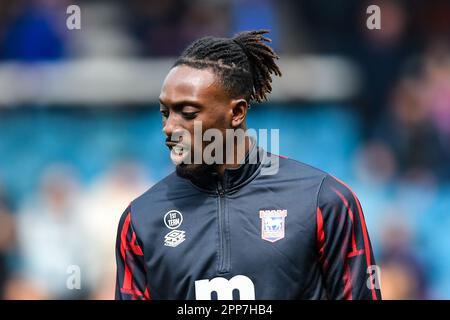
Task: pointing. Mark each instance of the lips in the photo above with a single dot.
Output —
(178, 149)
(178, 152)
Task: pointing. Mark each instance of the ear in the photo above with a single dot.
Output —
(239, 109)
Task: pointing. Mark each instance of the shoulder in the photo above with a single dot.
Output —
(298, 172)
(141, 211)
(334, 193)
(327, 188)
(157, 189)
(300, 168)
(162, 195)
(161, 190)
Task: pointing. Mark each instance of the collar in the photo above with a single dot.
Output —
(234, 178)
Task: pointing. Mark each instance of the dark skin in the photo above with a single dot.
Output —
(189, 94)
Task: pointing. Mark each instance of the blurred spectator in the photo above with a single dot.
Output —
(156, 25)
(253, 15)
(49, 239)
(7, 241)
(414, 126)
(328, 26)
(402, 273)
(165, 28)
(433, 20)
(103, 204)
(380, 54)
(376, 164)
(204, 18)
(103, 33)
(34, 30)
(436, 98)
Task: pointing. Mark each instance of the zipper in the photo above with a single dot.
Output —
(224, 243)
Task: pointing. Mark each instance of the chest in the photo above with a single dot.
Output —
(261, 239)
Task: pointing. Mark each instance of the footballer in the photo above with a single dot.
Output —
(228, 230)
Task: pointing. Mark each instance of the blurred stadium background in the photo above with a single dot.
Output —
(80, 131)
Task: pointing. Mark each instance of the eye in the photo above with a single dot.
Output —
(164, 113)
(189, 115)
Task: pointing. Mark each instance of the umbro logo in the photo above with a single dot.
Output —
(173, 220)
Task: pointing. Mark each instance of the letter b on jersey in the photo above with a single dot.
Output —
(224, 288)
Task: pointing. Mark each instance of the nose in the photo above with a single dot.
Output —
(169, 125)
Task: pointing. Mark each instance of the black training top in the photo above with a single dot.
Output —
(290, 233)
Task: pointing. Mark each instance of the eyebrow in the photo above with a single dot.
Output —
(180, 104)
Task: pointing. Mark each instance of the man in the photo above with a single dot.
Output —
(230, 229)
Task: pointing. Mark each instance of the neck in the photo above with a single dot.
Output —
(240, 149)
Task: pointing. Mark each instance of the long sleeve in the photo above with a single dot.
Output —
(343, 244)
(131, 275)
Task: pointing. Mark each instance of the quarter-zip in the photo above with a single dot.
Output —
(224, 242)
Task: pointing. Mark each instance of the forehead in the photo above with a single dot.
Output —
(187, 83)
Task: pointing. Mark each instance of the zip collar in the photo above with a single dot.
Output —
(233, 178)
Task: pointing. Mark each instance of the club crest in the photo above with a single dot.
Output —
(272, 224)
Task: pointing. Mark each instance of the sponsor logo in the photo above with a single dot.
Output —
(174, 238)
(224, 288)
(272, 224)
(173, 220)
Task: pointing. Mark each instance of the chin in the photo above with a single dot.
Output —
(194, 171)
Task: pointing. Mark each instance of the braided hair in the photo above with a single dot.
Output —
(244, 64)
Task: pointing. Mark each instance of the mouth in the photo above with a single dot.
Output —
(178, 152)
(177, 147)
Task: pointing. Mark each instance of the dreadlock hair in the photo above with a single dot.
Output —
(244, 64)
